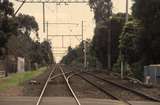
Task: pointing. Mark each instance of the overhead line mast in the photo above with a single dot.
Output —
(121, 55)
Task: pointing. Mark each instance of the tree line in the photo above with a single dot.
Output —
(75, 56)
(15, 37)
(137, 42)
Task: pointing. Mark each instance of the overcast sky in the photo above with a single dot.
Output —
(72, 13)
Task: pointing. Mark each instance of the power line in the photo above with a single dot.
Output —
(19, 7)
(50, 9)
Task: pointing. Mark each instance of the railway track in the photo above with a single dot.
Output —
(126, 88)
(52, 76)
(45, 86)
(138, 93)
(131, 84)
(69, 86)
(87, 76)
(109, 92)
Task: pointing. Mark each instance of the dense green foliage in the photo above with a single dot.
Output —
(71, 55)
(27, 24)
(101, 35)
(140, 40)
(15, 37)
(102, 13)
(41, 53)
(131, 47)
(149, 16)
(8, 25)
(102, 9)
(130, 41)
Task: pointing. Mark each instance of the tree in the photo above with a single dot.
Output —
(32, 51)
(148, 12)
(131, 47)
(27, 24)
(101, 35)
(7, 23)
(18, 29)
(7, 27)
(129, 41)
(71, 55)
(102, 9)
(75, 56)
(102, 14)
(47, 52)
(140, 40)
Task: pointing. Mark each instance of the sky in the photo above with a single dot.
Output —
(72, 13)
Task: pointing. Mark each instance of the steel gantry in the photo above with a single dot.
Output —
(58, 2)
(54, 1)
(63, 36)
(51, 1)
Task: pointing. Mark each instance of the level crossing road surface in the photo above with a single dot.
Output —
(65, 101)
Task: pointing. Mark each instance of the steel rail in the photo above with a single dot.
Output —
(101, 89)
(69, 86)
(45, 86)
(70, 76)
(104, 91)
(126, 88)
(58, 75)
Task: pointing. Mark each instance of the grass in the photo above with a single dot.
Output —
(18, 78)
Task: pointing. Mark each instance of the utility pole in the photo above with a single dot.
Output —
(62, 41)
(43, 3)
(109, 45)
(85, 55)
(126, 11)
(47, 30)
(121, 55)
(82, 31)
(109, 38)
(84, 49)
